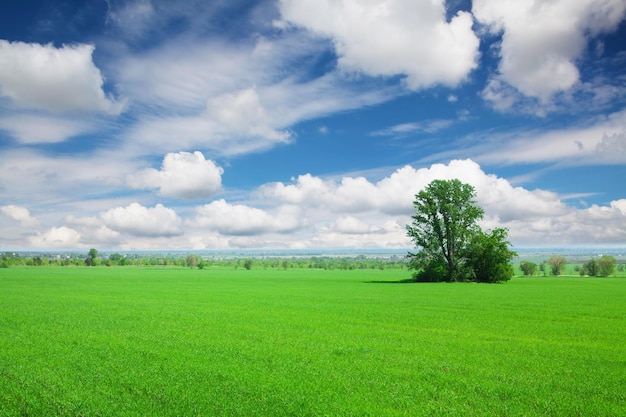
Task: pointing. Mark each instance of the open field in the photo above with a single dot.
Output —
(128, 341)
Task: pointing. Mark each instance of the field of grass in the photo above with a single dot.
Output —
(182, 342)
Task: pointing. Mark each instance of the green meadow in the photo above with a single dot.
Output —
(143, 341)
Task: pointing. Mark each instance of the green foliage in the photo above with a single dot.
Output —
(192, 260)
(590, 268)
(489, 257)
(90, 260)
(293, 342)
(528, 268)
(557, 264)
(115, 257)
(247, 264)
(433, 271)
(452, 247)
(603, 267)
(316, 262)
(606, 266)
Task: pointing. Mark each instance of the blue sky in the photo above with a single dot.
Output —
(144, 124)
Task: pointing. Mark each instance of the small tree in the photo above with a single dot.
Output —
(557, 264)
(192, 260)
(606, 266)
(590, 268)
(115, 257)
(489, 257)
(91, 257)
(247, 264)
(528, 268)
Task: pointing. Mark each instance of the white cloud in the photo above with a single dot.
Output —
(183, 174)
(232, 123)
(57, 237)
(44, 77)
(541, 41)
(594, 225)
(325, 212)
(242, 220)
(133, 18)
(51, 179)
(349, 194)
(233, 99)
(532, 216)
(394, 37)
(600, 143)
(241, 113)
(392, 195)
(102, 236)
(612, 148)
(138, 220)
(31, 129)
(351, 225)
(20, 214)
(428, 126)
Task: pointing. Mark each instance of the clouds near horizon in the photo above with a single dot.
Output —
(138, 220)
(351, 211)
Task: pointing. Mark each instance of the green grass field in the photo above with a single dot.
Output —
(183, 342)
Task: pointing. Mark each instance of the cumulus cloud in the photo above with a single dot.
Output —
(138, 220)
(243, 113)
(242, 220)
(57, 237)
(353, 226)
(396, 37)
(351, 193)
(20, 214)
(351, 211)
(352, 202)
(183, 175)
(541, 41)
(612, 148)
(394, 194)
(43, 77)
(594, 225)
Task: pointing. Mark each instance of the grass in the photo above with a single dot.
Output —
(172, 342)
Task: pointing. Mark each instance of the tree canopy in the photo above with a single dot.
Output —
(452, 246)
(90, 260)
(603, 267)
(557, 264)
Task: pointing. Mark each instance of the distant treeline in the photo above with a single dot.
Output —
(555, 265)
(202, 262)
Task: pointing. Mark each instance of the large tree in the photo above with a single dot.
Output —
(452, 246)
(445, 218)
